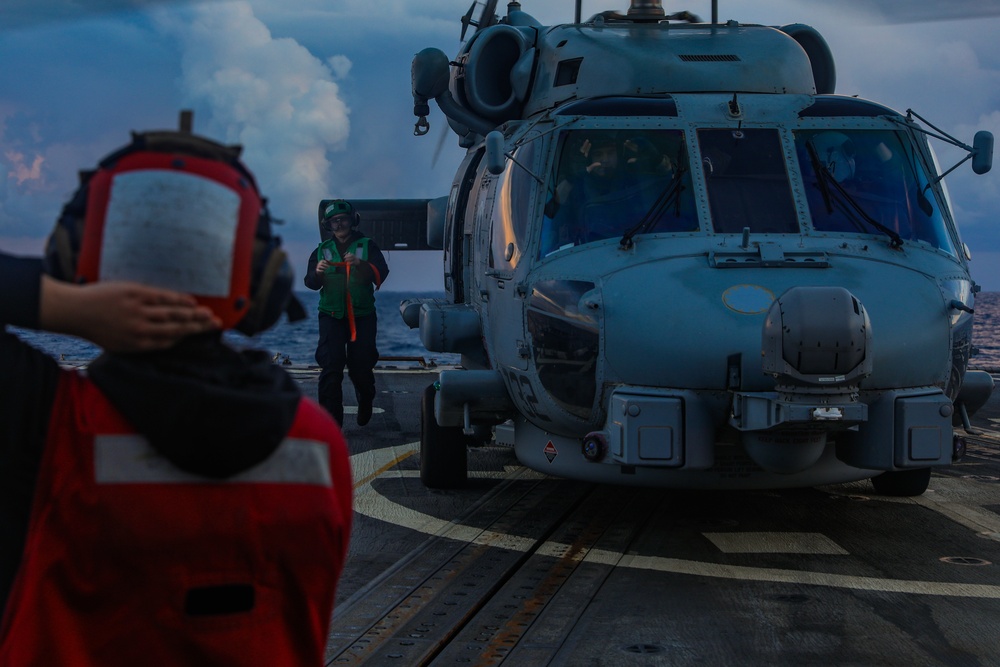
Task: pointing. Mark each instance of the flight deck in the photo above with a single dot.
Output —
(523, 569)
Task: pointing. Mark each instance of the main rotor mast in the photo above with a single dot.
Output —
(649, 10)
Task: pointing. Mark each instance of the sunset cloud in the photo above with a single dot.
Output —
(20, 171)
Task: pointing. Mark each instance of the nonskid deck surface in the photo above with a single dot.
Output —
(523, 569)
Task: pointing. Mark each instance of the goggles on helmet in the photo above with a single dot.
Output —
(338, 207)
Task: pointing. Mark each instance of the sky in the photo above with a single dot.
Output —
(318, 93)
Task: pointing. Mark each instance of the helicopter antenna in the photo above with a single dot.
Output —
(579, 10)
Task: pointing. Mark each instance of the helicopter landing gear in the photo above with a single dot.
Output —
(902, 482)
(443, 454)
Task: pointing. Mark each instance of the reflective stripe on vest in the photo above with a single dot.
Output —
(130, 459)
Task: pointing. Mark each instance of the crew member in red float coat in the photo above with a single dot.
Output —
(185, 506)
(131, 561)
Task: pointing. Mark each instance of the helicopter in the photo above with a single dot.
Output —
(674, 256)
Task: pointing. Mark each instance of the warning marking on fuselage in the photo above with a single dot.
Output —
(550, 452)
(369, 465)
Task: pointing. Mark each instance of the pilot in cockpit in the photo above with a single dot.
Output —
(588, 169)
(643, 159)
(871, 185)
(601, 188)
(836, 153)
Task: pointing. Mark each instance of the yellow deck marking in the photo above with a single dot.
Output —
(369, 465)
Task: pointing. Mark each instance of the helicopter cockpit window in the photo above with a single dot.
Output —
(607, 182)
(747, 181)
(870, 182)
(565, 343)
(513, 210)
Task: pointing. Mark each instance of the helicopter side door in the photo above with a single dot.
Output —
(458, 233)
(508, 206)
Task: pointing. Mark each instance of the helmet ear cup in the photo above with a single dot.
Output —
(62, 249)
(270, 287)
(357, 220)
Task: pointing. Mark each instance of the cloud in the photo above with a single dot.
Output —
(340, 65)
(70, 92)
(20, 171)
(269, 94)
(318, 92)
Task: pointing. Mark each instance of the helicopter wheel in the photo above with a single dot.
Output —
(443, 454)
(902, 482)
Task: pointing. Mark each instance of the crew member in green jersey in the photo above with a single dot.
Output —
(346, 268)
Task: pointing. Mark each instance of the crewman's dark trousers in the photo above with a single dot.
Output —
(335, 351)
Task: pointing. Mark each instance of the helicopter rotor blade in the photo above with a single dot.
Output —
(440, 145)
(489, 15)
(467, 20)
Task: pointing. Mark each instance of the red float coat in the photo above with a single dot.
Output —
(131, 561)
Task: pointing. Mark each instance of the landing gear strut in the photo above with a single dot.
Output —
(443, 453)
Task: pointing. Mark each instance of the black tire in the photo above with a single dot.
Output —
(443, 453)
(902, 482)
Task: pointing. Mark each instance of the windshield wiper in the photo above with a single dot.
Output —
(669, 195)
(818, 167)
(825, 179)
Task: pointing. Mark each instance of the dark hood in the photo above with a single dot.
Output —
(209, 409)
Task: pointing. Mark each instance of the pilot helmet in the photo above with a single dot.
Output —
(835, 151)
(604, 141)
(640, 153)
(604, 152)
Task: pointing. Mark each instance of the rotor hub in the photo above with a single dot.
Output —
(646, 10)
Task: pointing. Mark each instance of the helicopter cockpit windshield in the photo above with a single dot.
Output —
(747, 181)
(869, 181)
(616, 183)
(608, 182)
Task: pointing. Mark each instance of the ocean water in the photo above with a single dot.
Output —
(297, 342)
(293, 343)
(986, 332)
